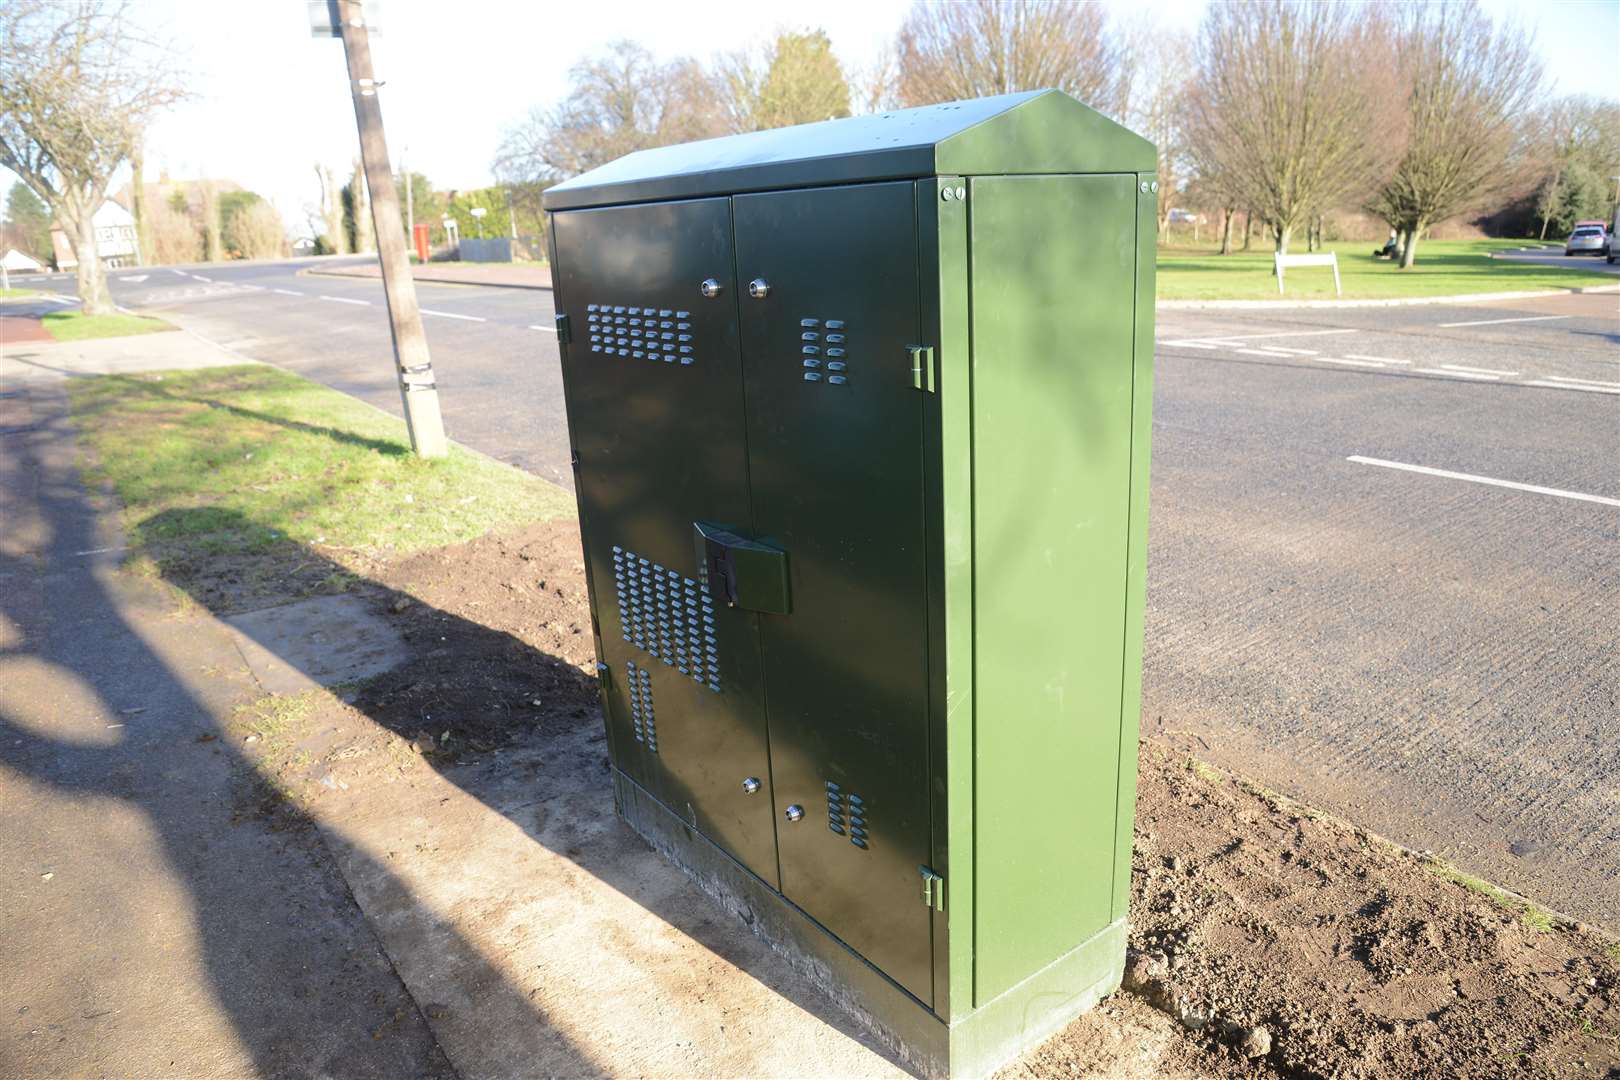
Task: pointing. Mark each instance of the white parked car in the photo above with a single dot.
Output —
(1587, 240)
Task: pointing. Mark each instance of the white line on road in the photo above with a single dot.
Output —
(1375, 359)
(58, 298)
(1590, 388)
(1290, 352)
(1477, 370)
(1589, 382)
(182, 273)
(1257, 352)
(1239, 339)
(453, 315)
(547, 329)
(345, 300)
(1352, 363)
(199, 277)
(1493, 322)
(1457, 374)
(287, 292)
(1191, 345)
(1471, 478)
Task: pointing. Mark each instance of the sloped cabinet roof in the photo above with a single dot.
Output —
(1042, 131)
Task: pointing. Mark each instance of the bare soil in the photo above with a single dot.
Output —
(1267, 939)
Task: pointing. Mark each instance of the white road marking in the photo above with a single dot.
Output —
(136, 278)
(1191, 345)
(1592, 382)
(1589, 388)
(1257, 352)
(1471, 478)
(1352, 363)
(1290, 352)
(453, 315)
(287, 292)
(1477, 370)
(199, 277)
(346, 300)
(182, 273)
(1493, 322)
(547, 329)
(1375, 359)
(58, 298)
(1238, 339)
(1458, 374)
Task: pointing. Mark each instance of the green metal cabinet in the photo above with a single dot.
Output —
(859, 415)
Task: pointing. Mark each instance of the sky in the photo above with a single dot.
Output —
(271, 101)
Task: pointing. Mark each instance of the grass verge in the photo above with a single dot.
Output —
(278, 487)
(77, 326)
(17, 294)
(1444, 268)
(1536, 918)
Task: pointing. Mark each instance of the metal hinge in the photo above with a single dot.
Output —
(563, 336)
(922, 367)
(933, 889)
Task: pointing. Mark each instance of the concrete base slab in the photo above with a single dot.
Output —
(317, 642)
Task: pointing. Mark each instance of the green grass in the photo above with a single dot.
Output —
(255, 462)
(77, 326)
(1444, 268)
(15, 294)
(1534, 917)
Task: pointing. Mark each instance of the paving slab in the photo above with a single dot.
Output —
(321, 641)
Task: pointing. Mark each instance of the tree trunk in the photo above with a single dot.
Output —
(213, 251)
(93, 296)
(1248, 228)
(1226, 230)
(1409, 249)
(1284, 233)
(137, 202)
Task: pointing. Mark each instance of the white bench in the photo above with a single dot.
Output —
(1330, 259)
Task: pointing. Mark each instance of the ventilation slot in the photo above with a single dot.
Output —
(846, 814)
(641, 333)
(667, 615)
(641, 706)
(824, 353)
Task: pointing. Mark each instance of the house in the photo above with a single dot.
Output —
(17, 261)
(115, 240)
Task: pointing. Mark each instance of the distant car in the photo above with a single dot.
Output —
(1587, 240)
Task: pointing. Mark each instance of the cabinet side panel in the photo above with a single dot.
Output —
(1053, 278)
(1130, 714)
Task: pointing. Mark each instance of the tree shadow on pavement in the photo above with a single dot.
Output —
(289, 962)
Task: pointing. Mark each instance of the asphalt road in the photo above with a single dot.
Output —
(1383, 551)
(1554, 256)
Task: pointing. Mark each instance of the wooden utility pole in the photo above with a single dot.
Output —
(414, 366)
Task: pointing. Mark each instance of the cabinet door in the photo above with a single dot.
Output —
(835, 466)
(655, 415)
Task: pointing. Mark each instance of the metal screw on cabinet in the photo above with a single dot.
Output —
(947, 194)
(750, 785)
(710, 288)
(1144, 187)
(961, 193)
(794, 812)
(759, 288)
(1155, 186)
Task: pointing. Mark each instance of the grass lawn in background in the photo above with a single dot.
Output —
(17, 294)
(1444, 268)
(77, 326)
(243, 474)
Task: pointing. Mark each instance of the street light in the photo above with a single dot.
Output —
(478, 213)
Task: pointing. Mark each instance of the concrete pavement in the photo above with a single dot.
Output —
(155, 922)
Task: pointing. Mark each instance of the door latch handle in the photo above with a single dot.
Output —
(922, 367)
(933, 889)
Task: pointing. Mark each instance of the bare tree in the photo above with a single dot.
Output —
(618, 103)
(795, 80)
(875, 87)
(1160, 62)
(1471, 86)
(1292, 110)
(365, 232)
(337, 237)
(78, 86)
(1576, 141)
(256, 232)
(974, 48)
